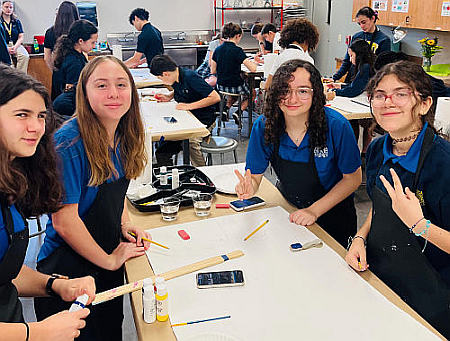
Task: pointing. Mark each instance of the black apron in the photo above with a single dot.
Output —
(300, 185)
(10, 306)
(395, 256)
(103, 222)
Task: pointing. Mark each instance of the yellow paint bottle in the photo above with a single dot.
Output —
(162, 300)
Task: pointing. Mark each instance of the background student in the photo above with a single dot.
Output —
(192, 93)
(270, 34)
(311, 148)
(406, 238)
(150, 42)
(29, 188)
(263, 45)
(226, 62)
(70, 60)
(204, 70)
(378, 42)
(14, 35)
(5, 57)
(297, 38)
(101, 149)
(67, 14)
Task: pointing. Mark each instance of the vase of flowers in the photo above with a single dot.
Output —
(429, 48)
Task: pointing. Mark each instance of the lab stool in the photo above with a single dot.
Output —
(219, 145)
(223, 100)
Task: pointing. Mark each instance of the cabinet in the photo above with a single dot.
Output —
(419, 16)
(221, 9)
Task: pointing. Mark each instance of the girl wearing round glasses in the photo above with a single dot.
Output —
(406, 236)
(312, 149)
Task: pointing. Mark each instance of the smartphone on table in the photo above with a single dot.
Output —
(170, 119)
(240, 205)
(220, 279)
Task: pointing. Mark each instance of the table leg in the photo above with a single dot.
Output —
(186, 157)
(251, 85)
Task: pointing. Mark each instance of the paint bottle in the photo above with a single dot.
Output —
(163, 176)
(162, 300)
(149, 301)
(175, 178)
(79, 303)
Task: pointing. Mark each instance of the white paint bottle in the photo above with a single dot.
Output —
(162, 300)
(163, 176)
(149, 301)
(175, 178)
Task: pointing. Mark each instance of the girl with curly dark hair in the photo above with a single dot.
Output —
(29, 187)
(298, 37)
(406, 237)
(311, 148)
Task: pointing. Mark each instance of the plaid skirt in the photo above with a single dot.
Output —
(204, 70)
(241, 89)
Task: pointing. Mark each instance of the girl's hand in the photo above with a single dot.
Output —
(304, 217)
(122, 253)
(356, 255)
(182, 106)
(70, 289)
(62, 326)
(162, 98)
(244, 189)
(128, 227)
(405, 204)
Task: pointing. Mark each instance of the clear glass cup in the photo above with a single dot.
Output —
(169, 208)
(202, 204)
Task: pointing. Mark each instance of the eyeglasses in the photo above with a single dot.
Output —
(303, 93)
(399, 97)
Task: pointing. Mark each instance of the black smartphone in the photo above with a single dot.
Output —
(220, 279)
(170, 119)
(239, 205)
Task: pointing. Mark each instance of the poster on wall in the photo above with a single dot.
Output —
(380, 5)
(445, 9)
(400, 6)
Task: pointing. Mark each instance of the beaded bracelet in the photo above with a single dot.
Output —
(412, 227)
(425, 230)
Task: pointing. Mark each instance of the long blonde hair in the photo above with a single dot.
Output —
(130, 131)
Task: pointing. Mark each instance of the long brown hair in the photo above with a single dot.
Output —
(33, 182)
(130, 131)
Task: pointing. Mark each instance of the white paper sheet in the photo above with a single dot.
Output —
(358, 105)
(223, 176)
(309, 295)
(144, 75)
(153, 115)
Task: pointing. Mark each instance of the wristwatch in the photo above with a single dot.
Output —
(48, 286)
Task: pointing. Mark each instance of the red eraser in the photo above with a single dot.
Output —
(222, 205)
(184, 235)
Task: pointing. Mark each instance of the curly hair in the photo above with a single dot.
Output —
(230, 30)
(275, 122)
(301, 31)
(80, 29)
(415, 77)
(32, 183)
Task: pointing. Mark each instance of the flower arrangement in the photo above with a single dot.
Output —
(429, 49)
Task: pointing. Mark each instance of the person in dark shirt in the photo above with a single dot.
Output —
(4, 53)
(66, 16)
(192, 93)
(14, 35)
(149, 42)
(70, 60)
(366, 18)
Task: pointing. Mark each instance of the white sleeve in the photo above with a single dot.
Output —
(276, 45)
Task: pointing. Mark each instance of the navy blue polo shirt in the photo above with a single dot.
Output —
(75, 176)
(433, 184)
(358, 85)
(340, 156)
(19, 225)
(70, 69)
(229, 58)
(15, 26)
(192, 88)
(4, 53)
(50, 38)
(150, 42)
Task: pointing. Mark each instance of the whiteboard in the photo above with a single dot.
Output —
(311, 294)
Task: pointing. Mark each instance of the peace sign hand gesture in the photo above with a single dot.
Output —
(244, 189)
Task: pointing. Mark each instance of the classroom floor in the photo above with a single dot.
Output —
(362, 203)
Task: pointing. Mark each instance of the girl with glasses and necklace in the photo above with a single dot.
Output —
(406, 235)
(312, 149)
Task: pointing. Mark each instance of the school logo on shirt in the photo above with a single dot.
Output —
(419, 195)
(321, 152)
(374, 46)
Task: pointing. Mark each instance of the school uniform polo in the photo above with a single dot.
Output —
(70, 70)
(15, 26)
(433, 187)
(381, 43)
(76, 175)
(229, 58)
(192, 88)
(340, 156)
(19, 225)
(150, 42)
(4, 53)
(358, 85)
(276, 42)
(290, 53)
